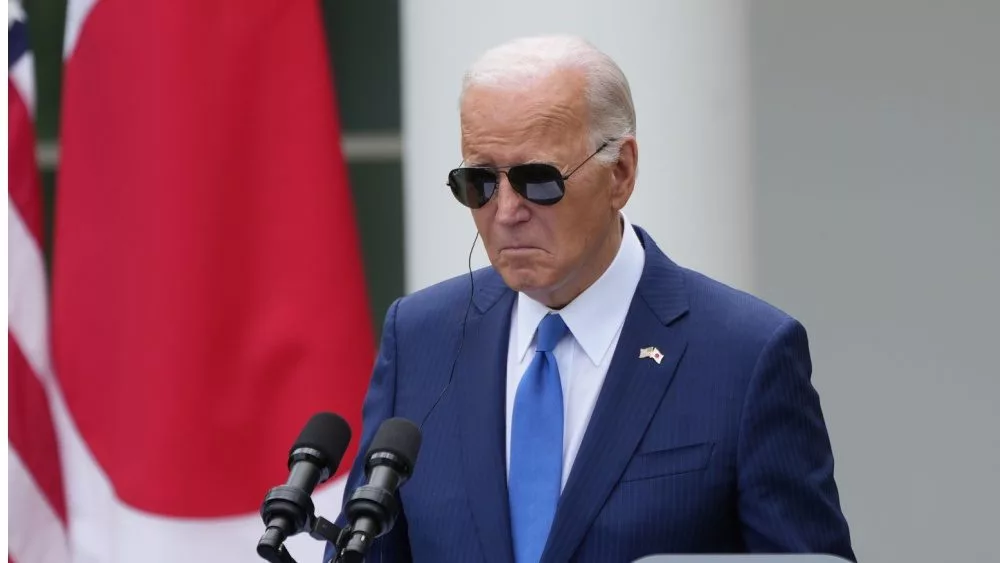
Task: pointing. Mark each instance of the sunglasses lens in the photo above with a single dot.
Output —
(472, 187)
(538, 183)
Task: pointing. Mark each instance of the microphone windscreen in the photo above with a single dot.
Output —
(400, 437)
(328, 433)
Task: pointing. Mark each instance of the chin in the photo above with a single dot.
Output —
(526, 271)
(523, 280)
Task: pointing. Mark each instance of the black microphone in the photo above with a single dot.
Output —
(288, 509)
(373, 507)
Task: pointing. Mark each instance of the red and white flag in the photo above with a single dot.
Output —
(208, 294)
(36, 503)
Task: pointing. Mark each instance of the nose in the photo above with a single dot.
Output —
(511, 208)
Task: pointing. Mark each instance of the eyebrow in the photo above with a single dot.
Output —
(491, 164)
(539, 161)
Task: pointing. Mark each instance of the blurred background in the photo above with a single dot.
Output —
(839, 159)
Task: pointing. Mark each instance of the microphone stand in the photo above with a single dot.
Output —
(276, 504)
(272, 549)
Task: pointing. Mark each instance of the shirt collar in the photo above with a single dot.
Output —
(595, 316)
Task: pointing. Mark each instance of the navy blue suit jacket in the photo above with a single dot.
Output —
(721, 447)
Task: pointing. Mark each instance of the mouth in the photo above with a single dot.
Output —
(520, 254)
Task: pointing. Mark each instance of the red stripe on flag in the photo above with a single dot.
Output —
(31, 431)
(209, 295)
(24, 184)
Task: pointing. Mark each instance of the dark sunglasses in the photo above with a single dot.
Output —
(538, 183)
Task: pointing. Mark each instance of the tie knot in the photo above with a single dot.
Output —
(550, 331)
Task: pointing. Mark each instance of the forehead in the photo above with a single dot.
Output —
(532, 120)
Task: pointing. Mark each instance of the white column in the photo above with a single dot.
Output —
(686, 64)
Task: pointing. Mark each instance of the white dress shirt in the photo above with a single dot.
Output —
(595, 319)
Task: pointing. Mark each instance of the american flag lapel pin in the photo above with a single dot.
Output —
(651, 352)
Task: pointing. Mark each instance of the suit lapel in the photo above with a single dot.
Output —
(480, 381)
(633, 390)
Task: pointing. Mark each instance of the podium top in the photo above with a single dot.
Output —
(748, 558)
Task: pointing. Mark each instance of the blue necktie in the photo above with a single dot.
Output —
(536, 446)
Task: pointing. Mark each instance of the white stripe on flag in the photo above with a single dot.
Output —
(28, 312)
(14, 12)
(36, 534)
(23, 77)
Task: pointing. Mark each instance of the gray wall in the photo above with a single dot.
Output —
(876, 149)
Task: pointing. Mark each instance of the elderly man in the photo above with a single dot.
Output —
(586, 399)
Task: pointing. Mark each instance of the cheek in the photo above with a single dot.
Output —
(571, 245)
(571, 230)
(482, 218)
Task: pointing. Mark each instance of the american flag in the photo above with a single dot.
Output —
(37, 503)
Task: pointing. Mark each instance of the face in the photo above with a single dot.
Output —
(552, 253)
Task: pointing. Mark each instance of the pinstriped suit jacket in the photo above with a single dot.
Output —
(721, 447)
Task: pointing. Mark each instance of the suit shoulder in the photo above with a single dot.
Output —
(443, 302)
(720, 313)
(732, 312)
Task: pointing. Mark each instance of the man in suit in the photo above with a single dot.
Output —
(589, 400)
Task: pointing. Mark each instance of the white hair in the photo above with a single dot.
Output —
(609, 99)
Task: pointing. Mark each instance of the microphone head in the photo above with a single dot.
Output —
(399, 437)
(327, 433)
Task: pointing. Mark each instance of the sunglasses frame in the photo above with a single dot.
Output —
(520, 188)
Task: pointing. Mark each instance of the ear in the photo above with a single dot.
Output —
(623, 173)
